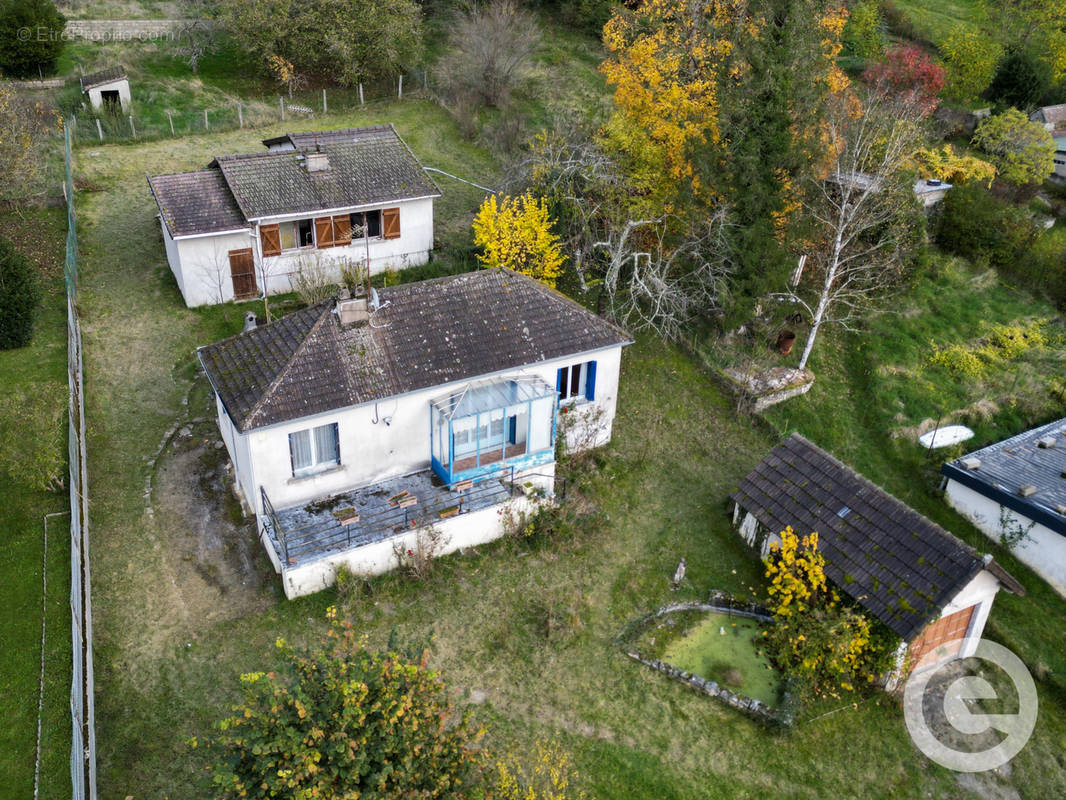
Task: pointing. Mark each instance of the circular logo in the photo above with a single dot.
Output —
(921, 696)
(24, 34)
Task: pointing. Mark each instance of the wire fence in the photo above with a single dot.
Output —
(82, 710)
(143, 122)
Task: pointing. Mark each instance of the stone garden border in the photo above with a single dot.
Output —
(722, 603)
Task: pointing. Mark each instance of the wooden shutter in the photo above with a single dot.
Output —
(242, 272)
(270, 237)
(342, 229)
(324, 231)
(390, 218)
(946, 630)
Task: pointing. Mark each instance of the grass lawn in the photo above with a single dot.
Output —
(37, 375)
(718, 644)
(172, 636)
(936, 19)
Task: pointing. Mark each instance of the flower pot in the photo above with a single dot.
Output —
(785, 341)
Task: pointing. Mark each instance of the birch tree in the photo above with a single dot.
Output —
(865, 216)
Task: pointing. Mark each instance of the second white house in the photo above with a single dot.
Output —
(313, 204)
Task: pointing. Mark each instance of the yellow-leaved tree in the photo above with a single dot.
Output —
(516, 233)
(947, 165)
(825, 646)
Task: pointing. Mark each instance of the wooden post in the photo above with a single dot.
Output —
(323, 101)
(207, 125)
(360, 94)
(240, 115)
(132, 128)
(99, 129)
(171, 118)
(281, 102)
(399, 94)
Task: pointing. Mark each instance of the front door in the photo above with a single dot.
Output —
(242, 272)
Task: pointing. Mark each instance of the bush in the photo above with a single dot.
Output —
(1021, 80)
(20, 294)
(976, 225)
(30, 57)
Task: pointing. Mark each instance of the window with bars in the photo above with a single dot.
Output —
(314, 450)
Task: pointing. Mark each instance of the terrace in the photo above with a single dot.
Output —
(360, 517)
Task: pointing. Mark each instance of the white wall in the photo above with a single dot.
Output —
(1043, 550)
(372, 451)
(980, 592)
(96, 97)
(466, 530)
(201, 263)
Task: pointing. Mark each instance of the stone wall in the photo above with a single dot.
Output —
(120, 30)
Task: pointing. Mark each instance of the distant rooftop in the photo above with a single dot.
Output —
(1026, 473)
(903, 568)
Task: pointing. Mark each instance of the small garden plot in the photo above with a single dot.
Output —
(725, 649)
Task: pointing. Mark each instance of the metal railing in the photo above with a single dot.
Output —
(82, 707)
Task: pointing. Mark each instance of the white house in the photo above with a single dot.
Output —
(352, 424)
(313, 203)
(108, 89)
(1014, 491)
(925, 585)
(1060, 158)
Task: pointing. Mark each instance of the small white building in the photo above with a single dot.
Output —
(925, 585)
(1014, 491)
(1060, 158)
(108, 90)
(252, 224)
(354, 424)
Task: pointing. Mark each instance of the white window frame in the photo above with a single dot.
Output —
(569, 397)
(318, 463)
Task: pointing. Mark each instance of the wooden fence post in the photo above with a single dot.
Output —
(240, 115)
(207, 125)
(171, 118)
(323, 101)
(399, 94)
(99, 129)
(360, 94)
(132, 128)
(281, 102)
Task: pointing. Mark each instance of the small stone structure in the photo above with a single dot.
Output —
(769, 387)
(107, 89)
(720, 603)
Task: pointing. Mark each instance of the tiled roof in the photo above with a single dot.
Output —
(196, 202)
(309, 140)
(101, 77)
(900, 566)
(1052, 114)
(1021, 461)
(373, 168)
(425, 334)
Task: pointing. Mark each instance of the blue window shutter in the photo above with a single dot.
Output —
(560, 382)
(590, 380)
(512, 430)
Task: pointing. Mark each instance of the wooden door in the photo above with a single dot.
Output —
(242, 272)
(936, 635)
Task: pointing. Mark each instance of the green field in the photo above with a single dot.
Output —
(936, 19)
(33, 379)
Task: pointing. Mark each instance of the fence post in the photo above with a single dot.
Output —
(171, 118)
(99, 129)
(281, 102)
(132, 128)
(399, 94)
(360, 94)
(240, 115)
(207, 125)
(323, 101)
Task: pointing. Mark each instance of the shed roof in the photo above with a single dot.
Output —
(309, 140)
(108, 75)
(900, 566)
(196, 202)
(1036, 459)
(424, 334)
(1052, 114)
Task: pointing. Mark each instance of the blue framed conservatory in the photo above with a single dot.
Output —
(491, 425)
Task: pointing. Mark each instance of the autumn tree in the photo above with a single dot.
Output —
(1022, 150)
(864, 36)
(822, 643)
(866, 225)
(343, 720)
(346, 41)
(22, 55)
(943, 163)
(970, 60)
(516, 233)
(910, 72)
(1036, 27)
